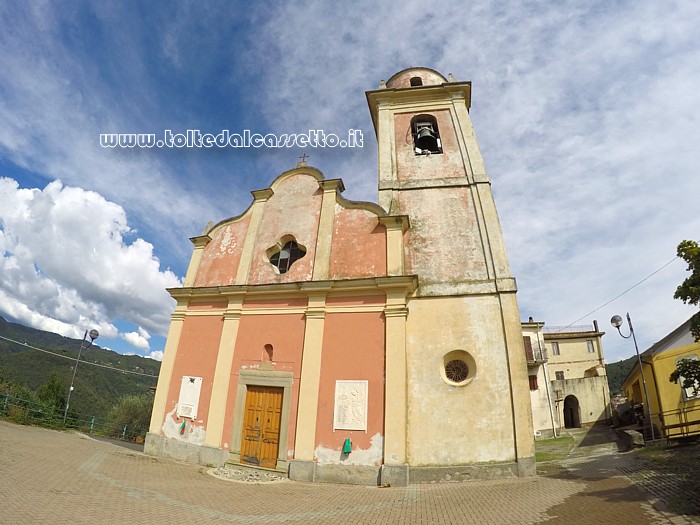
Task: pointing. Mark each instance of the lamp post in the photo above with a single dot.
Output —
(616, 321)
(94, 334)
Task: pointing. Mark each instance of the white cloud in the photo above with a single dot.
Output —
(138, 339)
(156, 355)
(66, 264)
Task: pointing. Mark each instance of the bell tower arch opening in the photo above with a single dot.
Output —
(426, 136)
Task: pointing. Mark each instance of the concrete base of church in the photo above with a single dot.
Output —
(345, 474)
(394, 475)
(402, 475)
(160, 446)
(522, 468)
(527, 467)
(298, 470)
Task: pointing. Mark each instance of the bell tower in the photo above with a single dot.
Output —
(467, 395)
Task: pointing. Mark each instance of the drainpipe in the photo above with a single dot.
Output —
(656, 389)
(548, 385)
(549, 398)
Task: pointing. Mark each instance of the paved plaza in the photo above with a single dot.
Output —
(54, 477)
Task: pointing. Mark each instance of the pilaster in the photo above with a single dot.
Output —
(166, 368)
(395, 314)
(199, 244)
(517, 374)
(325, 227)
(386, 152)
(310, 376)
(260, 198)
(396, 226)
(222, 372)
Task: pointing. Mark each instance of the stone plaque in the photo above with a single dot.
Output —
(188, 403)
(350, 411)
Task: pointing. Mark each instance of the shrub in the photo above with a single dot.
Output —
(134, 411)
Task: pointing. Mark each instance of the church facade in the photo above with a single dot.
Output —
(357, 342)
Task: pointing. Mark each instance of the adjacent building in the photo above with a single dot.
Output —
(567, 378)
(350, 341)
(675, 411)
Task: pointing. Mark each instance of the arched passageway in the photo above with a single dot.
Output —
(572, 412)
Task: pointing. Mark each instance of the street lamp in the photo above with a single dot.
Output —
(616, 321)
(94, 334)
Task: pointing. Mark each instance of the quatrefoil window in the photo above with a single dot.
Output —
(285, 253)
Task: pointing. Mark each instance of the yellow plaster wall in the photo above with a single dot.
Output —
(466, 424)
(675, 408)
(574, 358)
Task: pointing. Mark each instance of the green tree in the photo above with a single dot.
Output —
(688, 373)
(689, 290)
(133, 411)
(53, 391)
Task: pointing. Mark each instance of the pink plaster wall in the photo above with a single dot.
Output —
(290, 302)
(221, 256)
(410, 166)
(285, 332)
(359, 245)
(353, 349)
(207, 305)
(356, 300)
(196, 356)
(294, 209)
(443, 243)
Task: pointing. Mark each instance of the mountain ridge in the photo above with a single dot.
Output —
(97, 388)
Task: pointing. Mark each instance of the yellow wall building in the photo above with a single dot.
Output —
(675, 411)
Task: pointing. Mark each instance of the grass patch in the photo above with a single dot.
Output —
(553, 449)
(657, 452)
(683, 504)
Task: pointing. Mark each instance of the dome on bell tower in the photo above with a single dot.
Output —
(416, 76)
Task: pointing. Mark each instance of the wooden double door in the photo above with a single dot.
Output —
(261, 426)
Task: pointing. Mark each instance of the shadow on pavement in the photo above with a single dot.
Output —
(597, 435)
(125, 444)
(667, 476)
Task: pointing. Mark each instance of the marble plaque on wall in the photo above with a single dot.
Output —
(350, 411)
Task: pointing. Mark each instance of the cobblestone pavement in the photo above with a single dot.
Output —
(669, 481)
(595, 454)
(57, 477)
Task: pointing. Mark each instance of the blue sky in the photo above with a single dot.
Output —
(586, 114)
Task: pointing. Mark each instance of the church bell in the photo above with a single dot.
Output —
(426, 139)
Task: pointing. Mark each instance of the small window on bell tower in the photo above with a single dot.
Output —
(426, 136)
(416, 81)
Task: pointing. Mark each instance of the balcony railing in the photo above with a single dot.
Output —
(535, 353)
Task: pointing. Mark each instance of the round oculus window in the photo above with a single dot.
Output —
(456, 370)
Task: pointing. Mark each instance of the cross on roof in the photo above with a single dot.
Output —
(302, 160)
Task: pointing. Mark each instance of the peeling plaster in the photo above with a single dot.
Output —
(193, 434)
(228, 242)
(371, 456)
